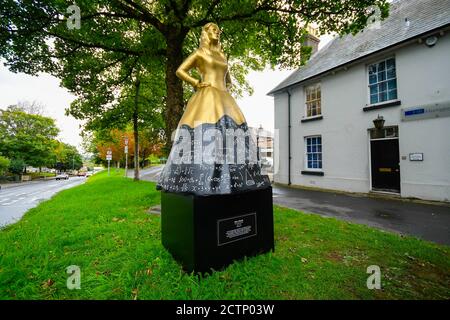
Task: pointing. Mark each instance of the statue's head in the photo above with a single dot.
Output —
(210, 35)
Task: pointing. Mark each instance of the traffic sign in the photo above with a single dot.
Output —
(126, 149)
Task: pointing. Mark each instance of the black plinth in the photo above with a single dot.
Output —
(209, 232)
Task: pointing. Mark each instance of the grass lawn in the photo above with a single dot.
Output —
(102, 227)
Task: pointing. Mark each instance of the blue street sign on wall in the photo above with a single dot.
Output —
(435, 110)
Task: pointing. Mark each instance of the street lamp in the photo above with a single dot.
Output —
(109, 157)
(258, 133)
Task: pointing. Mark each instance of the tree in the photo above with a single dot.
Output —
(29, 107)
(67, 157)
(17, 166)
(102, 141)
(28, 137)
(4, 164)
(129, 35)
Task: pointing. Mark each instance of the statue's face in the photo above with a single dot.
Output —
(214, 32)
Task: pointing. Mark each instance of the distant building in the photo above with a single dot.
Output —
(264, 140)
(396, 72)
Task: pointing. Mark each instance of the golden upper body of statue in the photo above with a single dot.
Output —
(211, 101)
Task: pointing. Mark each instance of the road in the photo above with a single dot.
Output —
(16, 200)
(148, 174)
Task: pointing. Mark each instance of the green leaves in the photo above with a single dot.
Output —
(67, 157)
(27, 136)
(4, 164)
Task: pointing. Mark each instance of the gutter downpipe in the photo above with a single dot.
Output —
(289, 137)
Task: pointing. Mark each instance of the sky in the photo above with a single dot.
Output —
(45, 89)
(258, 109)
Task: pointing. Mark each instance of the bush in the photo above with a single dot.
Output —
(16, 166)
(4, 164)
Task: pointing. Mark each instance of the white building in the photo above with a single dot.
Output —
(399, 70)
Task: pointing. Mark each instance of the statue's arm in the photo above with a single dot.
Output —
(185, 67)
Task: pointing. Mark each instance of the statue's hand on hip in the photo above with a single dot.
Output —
(203, 85)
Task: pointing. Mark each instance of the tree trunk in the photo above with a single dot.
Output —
(143, 158)
(174, 86)
(136, 130)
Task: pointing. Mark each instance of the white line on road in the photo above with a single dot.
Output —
(9, 203)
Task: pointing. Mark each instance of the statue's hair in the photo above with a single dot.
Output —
(204, 38)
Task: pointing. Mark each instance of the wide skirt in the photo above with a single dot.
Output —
(214, 151)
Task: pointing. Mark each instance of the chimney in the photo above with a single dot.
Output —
(313, 39)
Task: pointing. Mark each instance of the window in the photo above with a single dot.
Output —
(313, 107)
(313, 152)
(382, 81)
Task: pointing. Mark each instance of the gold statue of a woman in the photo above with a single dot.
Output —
(211, 108)
(212, 100)
(216, 206)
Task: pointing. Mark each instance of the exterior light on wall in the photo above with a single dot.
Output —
(379, 122)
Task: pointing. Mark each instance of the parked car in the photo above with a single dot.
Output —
(81, 174)
(62, 176)
(89, 173)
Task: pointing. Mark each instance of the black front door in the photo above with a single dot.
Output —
(385, 165)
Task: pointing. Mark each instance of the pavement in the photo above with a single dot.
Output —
(18, 198)
(426, 221)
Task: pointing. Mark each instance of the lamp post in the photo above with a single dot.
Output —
(126, 155)
(258, 133)
(109, 157)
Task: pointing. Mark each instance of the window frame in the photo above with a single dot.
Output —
(369, 104)
(305, 88)
(306, 168)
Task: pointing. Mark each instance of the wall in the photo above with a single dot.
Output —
(280, 142)
(422, 78)
(425, 78)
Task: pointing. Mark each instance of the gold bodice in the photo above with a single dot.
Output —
(212, 66)
(211, 102)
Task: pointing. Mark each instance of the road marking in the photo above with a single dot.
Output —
(9, 203)
(34, 193)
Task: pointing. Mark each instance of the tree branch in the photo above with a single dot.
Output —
(141, 13)
(96, 45)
